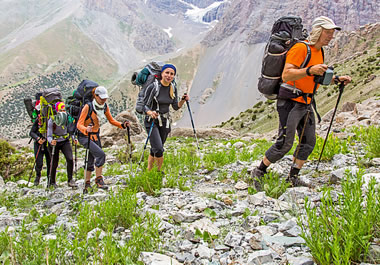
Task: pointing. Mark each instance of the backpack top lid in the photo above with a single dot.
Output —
(84, 90)
(153, 68)
(52, 94)
(292, 25)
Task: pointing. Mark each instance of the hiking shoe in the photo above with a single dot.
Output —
(87, 186)
(100, 183)
(72, 184)
(297, 182)
(36, 181)
(257, 175)
(52, 186)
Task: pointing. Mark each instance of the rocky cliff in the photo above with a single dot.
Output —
(253, 19)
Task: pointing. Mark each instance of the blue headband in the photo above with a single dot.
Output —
(169, 66)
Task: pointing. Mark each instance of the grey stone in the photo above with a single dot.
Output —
(185, 257)
(284, 240)
(260, 257)
(204, 252)
(295, 231)
(222, 248)
(287, 225)
(150, 258)
(186, 245)
(52, 202)
(233, 239)
(93, 233)
(186, 217)
(338, 174)
(300, 260)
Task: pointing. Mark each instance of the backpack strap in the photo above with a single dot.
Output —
(308, 55)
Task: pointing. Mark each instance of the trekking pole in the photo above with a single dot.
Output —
(87, 153)
(130, 148)
(34, 164)
(192, 123)
(51, 165)
(76, 159)
(341, 89)
(146, 142)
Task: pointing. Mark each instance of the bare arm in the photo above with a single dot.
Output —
(292, 72)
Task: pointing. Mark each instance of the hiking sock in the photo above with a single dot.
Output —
(263, 167)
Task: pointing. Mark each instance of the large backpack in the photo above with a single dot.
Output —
(286, 32)
(49, 97)
(143, 79)
(75, 103)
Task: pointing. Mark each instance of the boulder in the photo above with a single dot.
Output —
(205, 133)
(113, 135)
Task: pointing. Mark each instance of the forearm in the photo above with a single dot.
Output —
(293, 74)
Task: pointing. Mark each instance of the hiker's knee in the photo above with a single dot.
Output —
(157, 152)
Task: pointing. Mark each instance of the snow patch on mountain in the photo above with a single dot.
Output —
(168, 31)
(196, 14)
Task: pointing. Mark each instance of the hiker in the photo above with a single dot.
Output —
(292, 112)
(59, 139)
(40, 148)
(157, 112)
(88, 135)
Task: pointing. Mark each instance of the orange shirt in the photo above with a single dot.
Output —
(296, 56)
(83, 122)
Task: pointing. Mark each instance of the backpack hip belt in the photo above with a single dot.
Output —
(65, 136)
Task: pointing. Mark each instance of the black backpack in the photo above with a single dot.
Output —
(75, 103)
(286, 32)
(143, 79)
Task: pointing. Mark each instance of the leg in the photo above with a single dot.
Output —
(68, 153)
(39, 161)
(54, 165)
(155, 143)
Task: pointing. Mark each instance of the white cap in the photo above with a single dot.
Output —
(101, 91)
(325, 23)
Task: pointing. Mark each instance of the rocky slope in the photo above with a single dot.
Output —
(243, 227)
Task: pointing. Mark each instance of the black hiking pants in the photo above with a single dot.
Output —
(158, 136)
(43, 151)
(292, 116)
(67, 151)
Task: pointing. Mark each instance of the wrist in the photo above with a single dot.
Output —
(308, 71)
(336, 79)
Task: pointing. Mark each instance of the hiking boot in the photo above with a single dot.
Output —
(53, 186)
(100, 183)
(257, 175)
(72, 184)
(297, 182)
(87, 186)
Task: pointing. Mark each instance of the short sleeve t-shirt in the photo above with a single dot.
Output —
(296, 56)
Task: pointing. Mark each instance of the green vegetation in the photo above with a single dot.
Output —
(339, 232)
(273, 185)
(28, 245)
(13, 163)
(370, 137)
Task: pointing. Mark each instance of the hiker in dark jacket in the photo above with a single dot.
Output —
(59, 139)
(40, 150)
(89, 126)
(292, 112)
(159, 96)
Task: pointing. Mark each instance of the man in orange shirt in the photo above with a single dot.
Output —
(292, 112)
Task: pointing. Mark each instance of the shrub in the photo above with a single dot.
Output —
(333, 146)
(273, 185)
(339, 232)
(13, 164)
(370, 136)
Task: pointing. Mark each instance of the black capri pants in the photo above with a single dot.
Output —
(158, 135)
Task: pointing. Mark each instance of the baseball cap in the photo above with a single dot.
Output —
(101, 91)
(325, 23)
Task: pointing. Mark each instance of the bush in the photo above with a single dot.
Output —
(340, 232)
(273, 185)
(13, 164)
(333, 146)
(370, 136)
